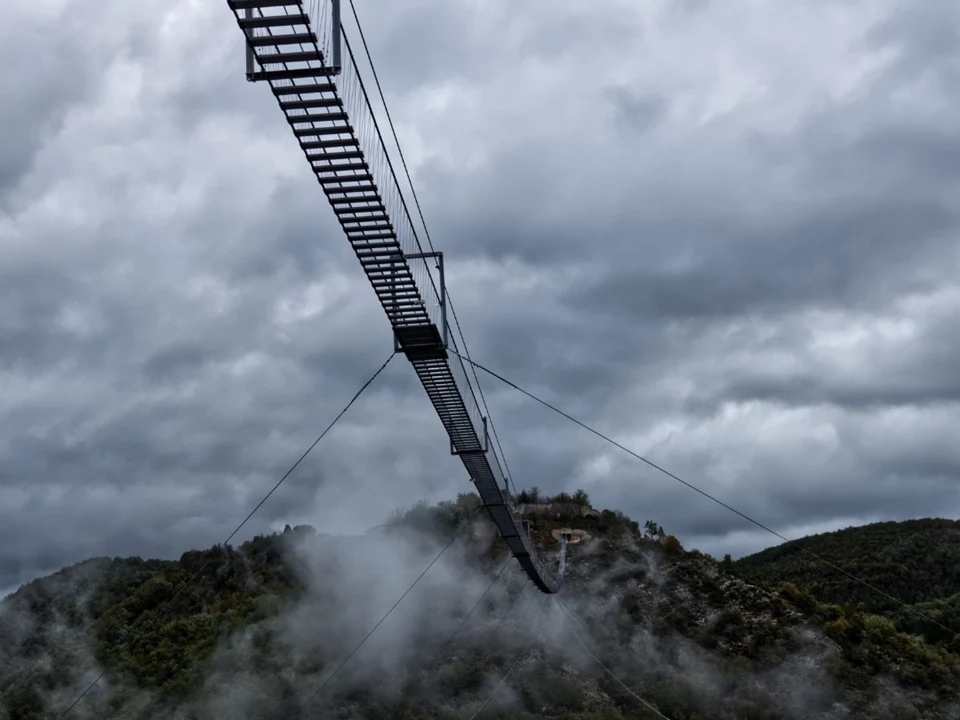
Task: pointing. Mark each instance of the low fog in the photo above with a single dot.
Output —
(295, 652)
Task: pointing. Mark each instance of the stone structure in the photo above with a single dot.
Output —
(574, 536)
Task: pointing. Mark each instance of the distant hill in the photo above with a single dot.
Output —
(264, 625)
(915, 561)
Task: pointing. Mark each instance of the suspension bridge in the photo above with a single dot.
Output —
(300, 50)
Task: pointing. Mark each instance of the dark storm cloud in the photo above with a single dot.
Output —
(638, 113)
(36, 102)
(727, 246)
(838, 258)
(175, 362)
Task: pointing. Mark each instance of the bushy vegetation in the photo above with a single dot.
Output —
(916, 561)
(442, 519)
(534, 496)
(872, 645)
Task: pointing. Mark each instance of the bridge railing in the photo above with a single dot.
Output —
(462, 379)
(356, 101)
(357, 105)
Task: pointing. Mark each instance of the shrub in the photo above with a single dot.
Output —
(672, 545)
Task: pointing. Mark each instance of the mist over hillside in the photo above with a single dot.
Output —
(264, 626)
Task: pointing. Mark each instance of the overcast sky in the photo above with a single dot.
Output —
(723, 232)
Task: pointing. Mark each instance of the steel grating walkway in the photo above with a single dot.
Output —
(319, 102)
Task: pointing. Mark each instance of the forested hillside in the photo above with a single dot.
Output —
(915, 561)
(260, 631)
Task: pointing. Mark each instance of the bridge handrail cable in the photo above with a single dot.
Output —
(403, 161)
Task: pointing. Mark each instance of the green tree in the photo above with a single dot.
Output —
(581, 500)
(653, 531)
(671, 544)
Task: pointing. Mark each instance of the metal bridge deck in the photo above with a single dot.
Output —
(312, 97)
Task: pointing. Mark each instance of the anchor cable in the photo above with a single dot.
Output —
(165, 607)
(475, 606)
(707, 495)
(515, 663)
(406, 592)
(647, 705)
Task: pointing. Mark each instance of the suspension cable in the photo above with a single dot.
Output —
(647, 705)
(496, 577)
(514, 602)
(426, 232)
(162, 611)
(515, 662)
(707, 495)
(353, 652)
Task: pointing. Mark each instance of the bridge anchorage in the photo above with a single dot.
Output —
(329, 113)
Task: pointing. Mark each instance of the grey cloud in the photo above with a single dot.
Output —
(837, 260)
(923, 33)
(637, 112)
(175, 362)
(439, 44)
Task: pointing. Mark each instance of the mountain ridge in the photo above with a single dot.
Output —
(917, 562)
(268, 621)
